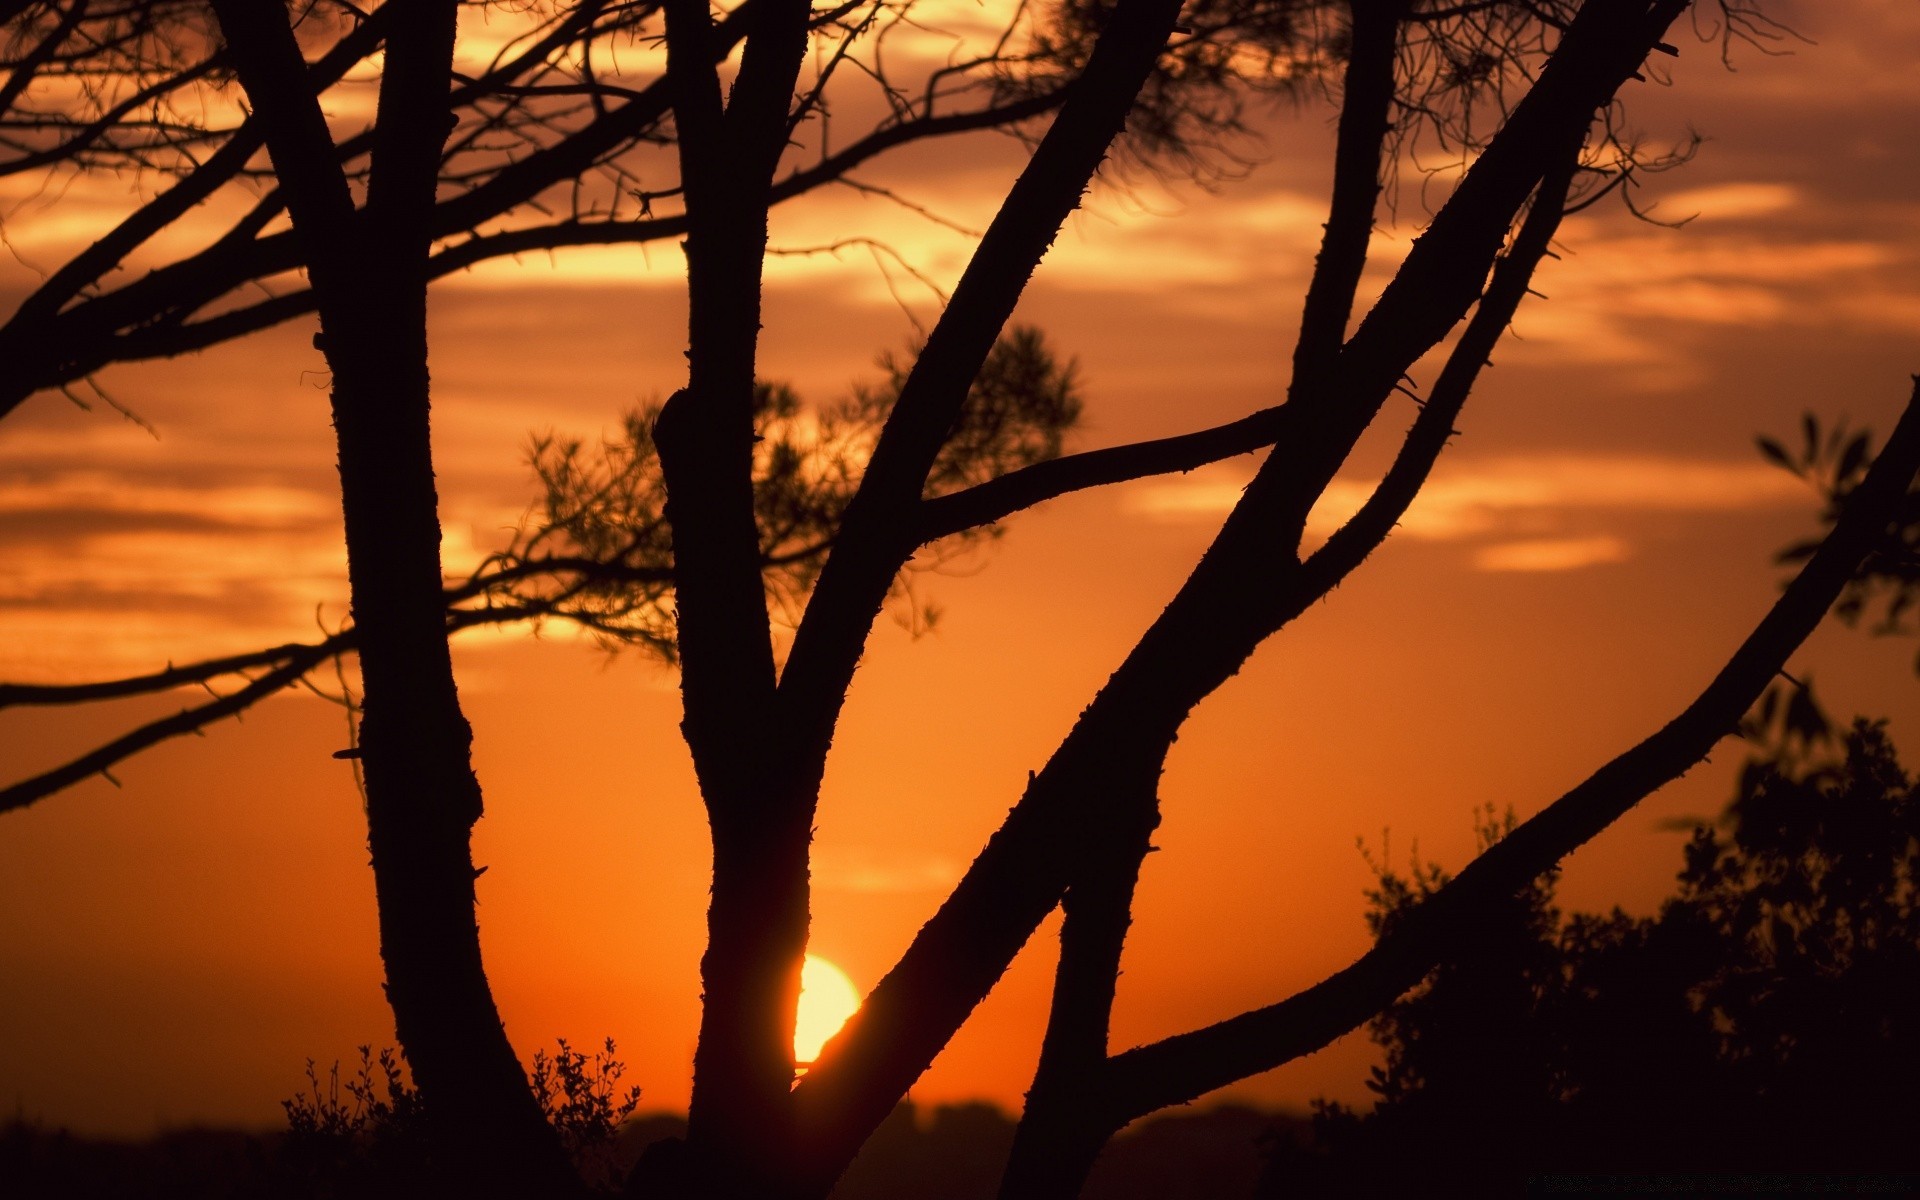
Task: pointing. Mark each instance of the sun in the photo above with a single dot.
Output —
(827, 999)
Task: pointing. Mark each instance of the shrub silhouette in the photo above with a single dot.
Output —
(582, 1099)
(369, 1141)
(367, 1136)
(1767, 1018)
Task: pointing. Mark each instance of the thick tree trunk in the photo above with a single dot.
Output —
(739, 1119)
(370, 272)
(422, 795)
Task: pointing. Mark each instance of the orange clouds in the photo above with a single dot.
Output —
(1484, 500)
(1551, 554)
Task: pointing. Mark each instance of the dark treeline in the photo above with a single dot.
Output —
(948, 1152)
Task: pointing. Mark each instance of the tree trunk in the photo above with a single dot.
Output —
(739, 1119)
(370, 273)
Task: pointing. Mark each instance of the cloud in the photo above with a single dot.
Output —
(1251, 236)
(1729, 202)
(1206, 493)
(1470, 498)
(111, 574)
(871, 871)
(1485, 497)
(1618, 296)
(1551, 554)
(107, 496)
(1510, 505)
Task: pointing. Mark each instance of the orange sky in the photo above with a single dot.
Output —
(174, 949)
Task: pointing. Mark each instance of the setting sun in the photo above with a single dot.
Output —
(827, 999)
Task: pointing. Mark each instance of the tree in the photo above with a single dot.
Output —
(1531, 89)
(1761, 1020)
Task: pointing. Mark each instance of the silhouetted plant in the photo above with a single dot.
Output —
(372, 1135)
(1767, 1017)
(582, 1099)
(368, 1130)
(598, 549)
(1810, 894)
(1833, 460)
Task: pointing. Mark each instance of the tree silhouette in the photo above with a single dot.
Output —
(1763, 1020)
(1526, 91)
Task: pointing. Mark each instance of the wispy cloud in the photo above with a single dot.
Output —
(1519, 499)
(1729, 202)
(109, 575)
(1751, 256)
(872, 871)
(1552, 554)
(1484, 498)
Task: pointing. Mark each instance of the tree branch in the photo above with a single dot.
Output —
(1016, 491)
(188, 720)
(877, 534)
(1182, 1068)
(1239, 594)
(1064, 1124)
(1368, 528)
(1364, 127)
(46, 695)
(1060, 1133)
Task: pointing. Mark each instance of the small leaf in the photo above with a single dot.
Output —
(1804, 716)
(1798, 551)
(1851, 458)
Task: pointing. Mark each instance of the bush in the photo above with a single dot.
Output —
(366, 1135)
(1767, 1019)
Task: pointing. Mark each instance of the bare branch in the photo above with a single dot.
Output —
(1239, 594)
(1017, 491)
(189, 720)
(874, 541)
(13, 695)
(1181, 1068)
(1363, 131)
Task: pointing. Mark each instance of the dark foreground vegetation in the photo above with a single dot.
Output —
(1765, 1021)
(954, 1152)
